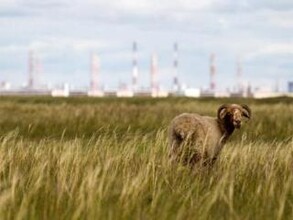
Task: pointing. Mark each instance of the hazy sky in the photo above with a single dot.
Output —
(64, 32)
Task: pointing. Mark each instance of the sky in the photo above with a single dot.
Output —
(63, 33)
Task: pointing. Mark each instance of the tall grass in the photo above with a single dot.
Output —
(107, 159)
(41, 117)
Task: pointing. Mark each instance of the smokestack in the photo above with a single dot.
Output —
(34, 69)
(154, 73)
(134, 67)
(38, 71)
(175, 66)
(212, 72)
(95, 68)
(31, 69)
(239, 75)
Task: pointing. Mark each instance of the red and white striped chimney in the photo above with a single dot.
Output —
(154, 73)
(134, 67)
(175, 66)
(31, 69)
(95, 69)
(212, 72)
(239, 75)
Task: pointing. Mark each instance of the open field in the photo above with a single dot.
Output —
(87, 158)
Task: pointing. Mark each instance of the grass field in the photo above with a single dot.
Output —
(87, 158)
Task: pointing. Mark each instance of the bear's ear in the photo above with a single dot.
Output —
(246, 111)
(222, 111)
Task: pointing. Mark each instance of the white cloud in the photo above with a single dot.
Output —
(12, 48)
(280, 48)
(272, 49)
(5, 3)
(282, 19)
(51, 44)
(150, 6)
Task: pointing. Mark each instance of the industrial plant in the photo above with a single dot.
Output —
(95, 88)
